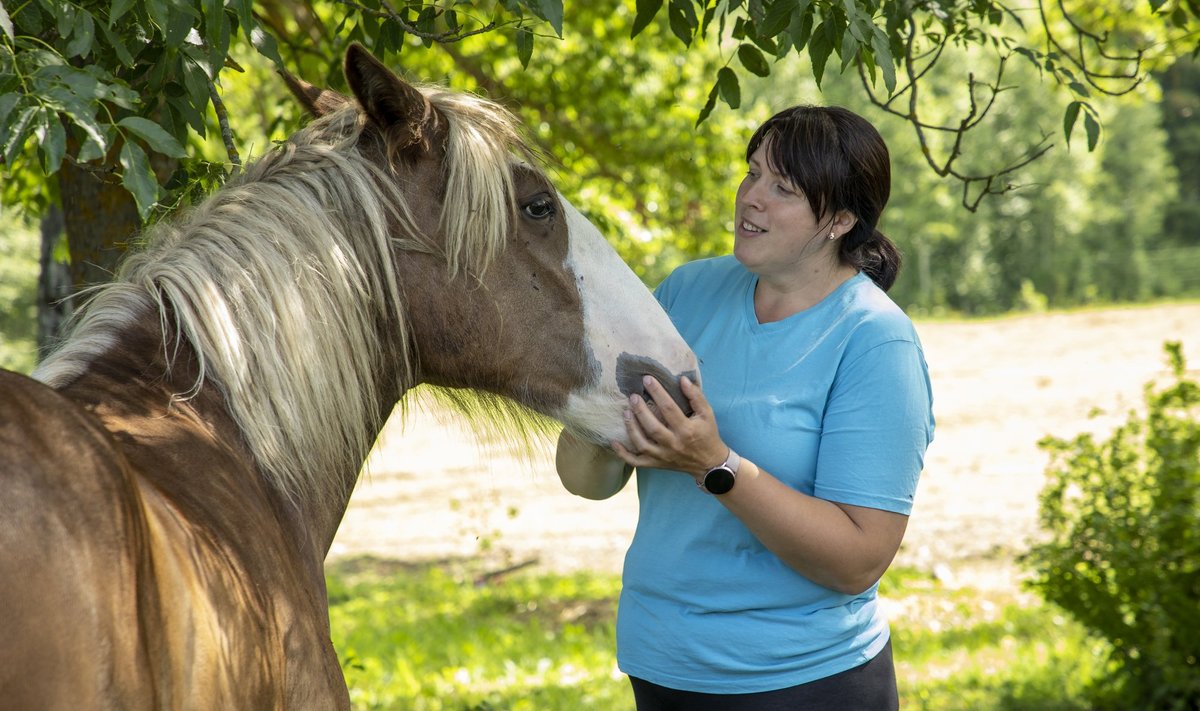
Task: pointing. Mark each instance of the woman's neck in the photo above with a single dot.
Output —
(778, 297)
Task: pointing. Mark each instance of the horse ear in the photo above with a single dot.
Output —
(317, 101)
(388, 100)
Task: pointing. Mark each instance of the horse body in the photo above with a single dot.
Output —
(170, 489)
(156, 567)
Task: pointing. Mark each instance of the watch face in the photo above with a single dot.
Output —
(718, 480)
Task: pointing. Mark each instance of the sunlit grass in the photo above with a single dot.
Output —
(18, 289)
(443, 637)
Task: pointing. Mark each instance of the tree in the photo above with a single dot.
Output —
(109, 92)
(106, 95)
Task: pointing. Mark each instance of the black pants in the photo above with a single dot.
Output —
(870, 687)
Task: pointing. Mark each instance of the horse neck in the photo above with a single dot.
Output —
(134, 388)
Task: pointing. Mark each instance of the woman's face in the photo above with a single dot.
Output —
(775, 229)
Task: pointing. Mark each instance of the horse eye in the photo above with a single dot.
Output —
(539, 208)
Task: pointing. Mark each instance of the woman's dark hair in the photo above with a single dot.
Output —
(840, 162)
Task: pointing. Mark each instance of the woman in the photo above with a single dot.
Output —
(769, 514)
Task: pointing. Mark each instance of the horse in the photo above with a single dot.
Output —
(172, 477)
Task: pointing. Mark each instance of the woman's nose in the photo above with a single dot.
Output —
(750, 195)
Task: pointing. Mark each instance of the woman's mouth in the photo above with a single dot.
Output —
(751, 227)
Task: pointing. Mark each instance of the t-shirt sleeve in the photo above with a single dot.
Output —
(877, 426)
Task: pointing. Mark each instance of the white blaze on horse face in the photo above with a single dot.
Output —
(628, 334)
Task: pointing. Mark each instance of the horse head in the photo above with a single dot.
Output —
(509, 289)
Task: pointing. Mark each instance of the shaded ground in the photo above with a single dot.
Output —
(433, 491)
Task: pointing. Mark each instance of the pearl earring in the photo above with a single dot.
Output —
(832, 236)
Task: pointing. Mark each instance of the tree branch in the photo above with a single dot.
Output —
(389, 13)
(988, 183)
(223, 122)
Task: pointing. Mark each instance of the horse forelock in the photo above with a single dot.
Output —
(281, 279)
(482, 145)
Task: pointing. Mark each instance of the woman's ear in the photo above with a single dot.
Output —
(843, 222)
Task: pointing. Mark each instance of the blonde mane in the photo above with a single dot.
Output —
(280, 280)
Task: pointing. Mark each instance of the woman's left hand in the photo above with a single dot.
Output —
(665, 438)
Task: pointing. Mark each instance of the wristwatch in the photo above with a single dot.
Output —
(720, 479)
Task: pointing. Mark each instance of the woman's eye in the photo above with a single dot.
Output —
(539, 208)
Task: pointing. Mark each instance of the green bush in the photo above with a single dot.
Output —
(1122, 517)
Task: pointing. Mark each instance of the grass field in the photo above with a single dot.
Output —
(447, 636)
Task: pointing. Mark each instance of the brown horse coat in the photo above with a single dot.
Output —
(157, 569)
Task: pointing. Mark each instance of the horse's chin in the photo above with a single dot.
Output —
(596, 417)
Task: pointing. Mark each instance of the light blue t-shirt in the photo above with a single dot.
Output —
(835, 401)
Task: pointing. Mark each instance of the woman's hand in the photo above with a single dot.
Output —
(665, 438)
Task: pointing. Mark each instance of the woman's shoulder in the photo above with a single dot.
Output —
(712, 274)
(725, 265)
(876, 318)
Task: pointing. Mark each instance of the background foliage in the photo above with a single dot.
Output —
(1122, 553)
(1075, 226)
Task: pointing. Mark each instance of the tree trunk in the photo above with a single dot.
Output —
(54, 304)
(100, 219)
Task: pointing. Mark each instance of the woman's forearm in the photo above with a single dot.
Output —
(845, 548)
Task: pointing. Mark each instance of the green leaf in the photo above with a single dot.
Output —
(90, 150)
(752, 59)
(1070, 116)
(118, 10)
(819, 49)
(84, 119)
(196, 79)
(65, 19)
(53, 139)
(801, 28)
(138, 178)
(180, 24)
(646, 11)
(7, 103)
(244, 10)
(82, 35)
(884, 60)
(731, 91)
(778, 17)
(524, 46)
(154, 136)
(114, 40)
(190, 113)
(708, 105)
(6, 24)
(849, 48)
(159, 13)
(682, 18)
(265, 43)
(552, 11)
(18, 132)
(1092, 126)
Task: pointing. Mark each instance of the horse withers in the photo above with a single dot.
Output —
(173, 476)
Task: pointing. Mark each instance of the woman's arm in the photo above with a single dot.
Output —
(589, 470)
(843, 547)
